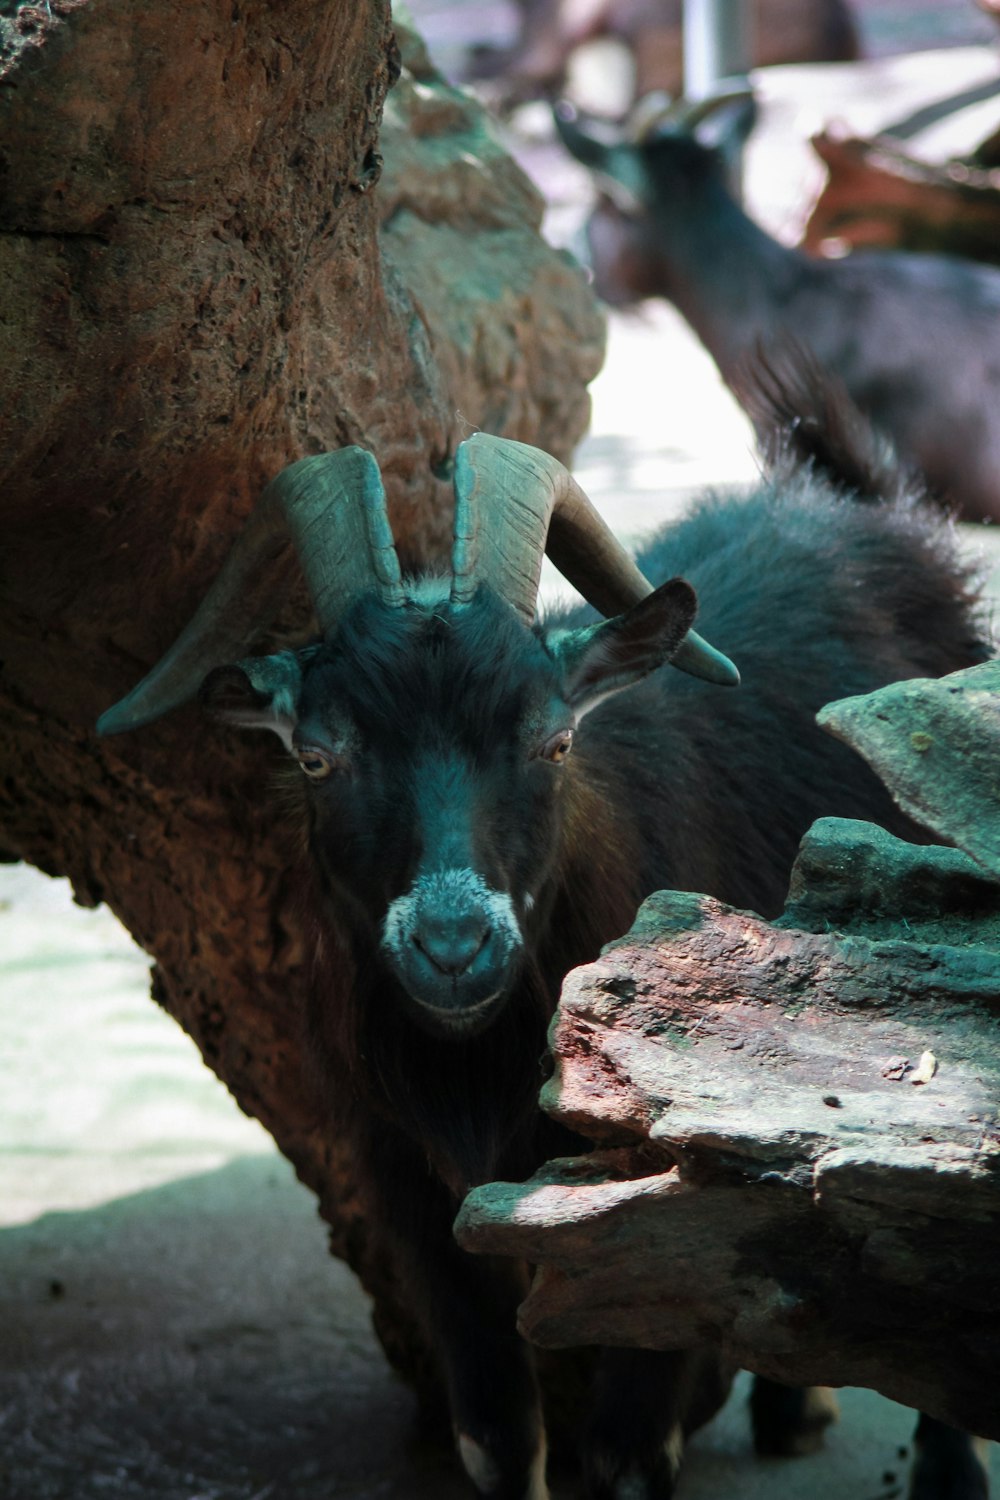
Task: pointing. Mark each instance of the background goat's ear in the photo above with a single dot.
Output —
(617, 166)
(727, 127)
(604, 658)
(259, 693)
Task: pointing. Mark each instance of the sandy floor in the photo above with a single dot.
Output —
(171, 1325)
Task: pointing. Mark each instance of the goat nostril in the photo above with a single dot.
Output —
(451, 950)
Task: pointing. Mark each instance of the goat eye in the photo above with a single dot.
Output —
(314, 763)
(558, 747)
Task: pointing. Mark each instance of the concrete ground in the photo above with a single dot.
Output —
(171, 1326)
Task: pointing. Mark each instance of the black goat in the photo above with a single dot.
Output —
(914, 338)
(489, 800)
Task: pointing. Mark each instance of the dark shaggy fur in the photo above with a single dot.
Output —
(671, 783)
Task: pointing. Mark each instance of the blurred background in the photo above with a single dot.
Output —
(172, 1325)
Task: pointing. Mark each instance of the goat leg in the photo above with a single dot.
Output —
(489, 1371)
(948, 1464)
(468, 1308)
(646, 1402)
(790, 1420)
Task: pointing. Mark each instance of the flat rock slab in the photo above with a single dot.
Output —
(801, 1157)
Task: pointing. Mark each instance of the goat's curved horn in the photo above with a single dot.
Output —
(650, 113)
(690, 113)
(332, 505)
(657, 111)
(513, 503)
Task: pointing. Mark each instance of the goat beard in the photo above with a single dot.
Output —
(469, 1102)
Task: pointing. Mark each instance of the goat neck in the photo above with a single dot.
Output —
(721, 270)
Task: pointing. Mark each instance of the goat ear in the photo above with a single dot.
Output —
(616, 165)
(605, 658)
(259, 693)
(727, 127)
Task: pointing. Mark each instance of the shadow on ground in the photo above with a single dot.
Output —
(196, 1342)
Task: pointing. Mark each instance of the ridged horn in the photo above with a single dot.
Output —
(513, 503)
(332, 506)
(651, 113)
(658, 113)
(688, 114)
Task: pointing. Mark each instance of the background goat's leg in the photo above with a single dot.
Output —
(949, 1465)
(646, 1402)
(790, 1419)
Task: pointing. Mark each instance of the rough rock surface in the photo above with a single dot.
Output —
(798, 1121)
(936, 745)
(203, 279)
(513, 335)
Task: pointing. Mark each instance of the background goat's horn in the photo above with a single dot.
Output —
(512, 504)
(332, 505)
(690, 113)
(653, 111)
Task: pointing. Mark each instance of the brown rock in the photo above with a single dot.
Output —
(203, 280)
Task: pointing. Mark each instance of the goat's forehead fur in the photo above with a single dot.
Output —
(430, 662)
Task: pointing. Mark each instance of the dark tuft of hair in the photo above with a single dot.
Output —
(803, 416)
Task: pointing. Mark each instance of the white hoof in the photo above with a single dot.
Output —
(482, 1470)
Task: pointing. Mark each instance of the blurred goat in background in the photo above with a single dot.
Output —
(915, 339)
